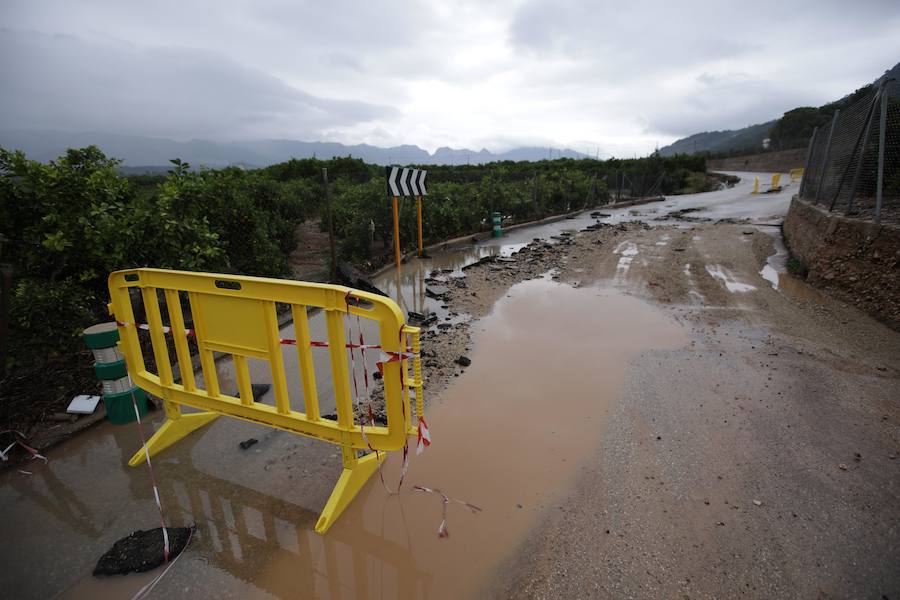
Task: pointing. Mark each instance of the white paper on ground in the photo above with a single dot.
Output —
(83, 404)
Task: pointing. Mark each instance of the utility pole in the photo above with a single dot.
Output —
(333, 270)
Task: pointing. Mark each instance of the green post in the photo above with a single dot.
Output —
(110, 369)
(496, 222)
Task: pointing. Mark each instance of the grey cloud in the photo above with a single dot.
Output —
(65, 82)
(462, 73)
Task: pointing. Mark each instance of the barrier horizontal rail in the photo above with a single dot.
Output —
(237, 315)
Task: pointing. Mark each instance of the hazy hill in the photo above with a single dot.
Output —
(140, 152)
(721, 141)
(792, 130)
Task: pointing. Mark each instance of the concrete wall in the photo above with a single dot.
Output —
(767, 162)
(857, 260)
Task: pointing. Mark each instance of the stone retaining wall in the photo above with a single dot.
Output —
(858, 260)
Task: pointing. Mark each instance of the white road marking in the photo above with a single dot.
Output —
(728, 279)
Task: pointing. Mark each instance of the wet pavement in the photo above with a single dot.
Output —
(582, 398)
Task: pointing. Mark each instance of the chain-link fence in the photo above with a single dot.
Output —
(629, 185)
(853, 163)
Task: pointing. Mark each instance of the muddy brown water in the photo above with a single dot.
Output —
(509, 436)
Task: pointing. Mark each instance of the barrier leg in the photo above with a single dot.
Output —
(170, 432)
(355, 475)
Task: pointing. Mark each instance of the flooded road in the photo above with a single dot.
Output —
(509, 437)
(610, 420)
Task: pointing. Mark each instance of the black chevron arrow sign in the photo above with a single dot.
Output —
(406, 182)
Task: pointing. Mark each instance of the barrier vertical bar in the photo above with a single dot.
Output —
(245, 390)
(182, 352)
(157, 338)
(834, 119)
(279, 381)
(417, 375)
(207, 360)
(305, 361)
(882, 122)
(340, 374)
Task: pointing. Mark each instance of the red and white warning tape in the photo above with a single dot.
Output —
(162, 518)
(18, 437)
(443, 532)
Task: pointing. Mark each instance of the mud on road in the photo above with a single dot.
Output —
(759, 461)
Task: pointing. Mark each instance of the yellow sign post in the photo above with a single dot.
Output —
(406, 182)
(419, 211)
(396, 210)
(236, 315)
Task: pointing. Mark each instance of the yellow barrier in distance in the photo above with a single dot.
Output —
(776, 182)
(236, 315)
(796, 174)
(755, 185)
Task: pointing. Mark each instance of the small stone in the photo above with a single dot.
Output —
(757, 502)
(842, 467)
(463, 361)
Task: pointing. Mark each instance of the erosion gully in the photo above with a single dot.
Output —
(510, 436)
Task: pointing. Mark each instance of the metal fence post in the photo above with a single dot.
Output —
(861, 144)
(825, 156)
(882, 125)
(809, 149)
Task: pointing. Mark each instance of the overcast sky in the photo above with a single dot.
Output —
(620, 76)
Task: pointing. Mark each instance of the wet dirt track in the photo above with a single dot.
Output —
(618, 426)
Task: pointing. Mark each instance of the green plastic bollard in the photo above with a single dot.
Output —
(496, 221)
(109, 366)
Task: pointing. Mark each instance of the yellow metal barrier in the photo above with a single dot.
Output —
(755, 185)
(236, 315)
(776, 182)
(796, 174)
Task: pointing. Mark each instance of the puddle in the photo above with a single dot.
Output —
(514, 430)
(728, 279)
(775, 272)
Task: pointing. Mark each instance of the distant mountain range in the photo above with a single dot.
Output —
(143, 153)
(792, 130)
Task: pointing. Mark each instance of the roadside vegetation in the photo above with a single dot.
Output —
(71, 222)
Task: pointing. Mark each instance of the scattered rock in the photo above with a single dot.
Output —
(437, 291)
(463, 361)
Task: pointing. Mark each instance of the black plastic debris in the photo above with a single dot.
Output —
(247, 443)
(141, 551)
(259, 390)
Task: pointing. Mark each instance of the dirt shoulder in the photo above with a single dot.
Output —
(760, 461)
